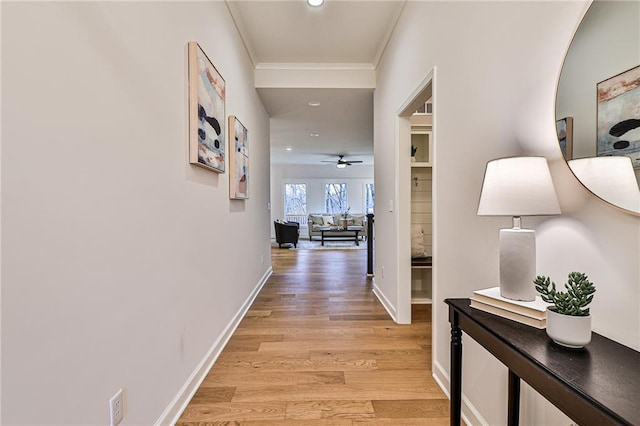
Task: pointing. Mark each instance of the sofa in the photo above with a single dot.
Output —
(318, 221)
(287, 233)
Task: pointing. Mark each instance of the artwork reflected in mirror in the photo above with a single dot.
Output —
(599, 88)
(619, 116)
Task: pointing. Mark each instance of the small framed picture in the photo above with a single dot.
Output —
(238, 160)
(564, 129)
(206, 112)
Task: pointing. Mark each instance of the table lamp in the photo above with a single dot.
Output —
(518, 186)
(610, 178)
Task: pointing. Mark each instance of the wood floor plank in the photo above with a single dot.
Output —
(417, 359)
(218, 412)
(317, 348)
(359, 317)
(296, 422)
(213, 394)
(291, 333)
(287, 378)
(315, 410)
(417, 408)
(290, 365)
(384, 378)
(402, 422)
(339, 345)
(357, 391)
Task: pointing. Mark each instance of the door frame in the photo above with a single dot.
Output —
(424, 91)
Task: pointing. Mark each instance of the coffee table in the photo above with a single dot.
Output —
(328, 231)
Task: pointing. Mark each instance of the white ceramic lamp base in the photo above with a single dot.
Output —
(517, 264)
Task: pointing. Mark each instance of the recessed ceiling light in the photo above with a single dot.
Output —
(314, 103)
(288, 148)
(314, 135)
(315, 2)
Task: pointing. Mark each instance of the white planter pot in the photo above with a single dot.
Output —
(570, 331)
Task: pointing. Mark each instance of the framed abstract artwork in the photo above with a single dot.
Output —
(618, 128)
(206, 112)
(564, 129)
(238, 160)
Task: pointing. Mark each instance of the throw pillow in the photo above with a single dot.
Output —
(316, 220)
(418, 248)
(328, 220)
(358, 220)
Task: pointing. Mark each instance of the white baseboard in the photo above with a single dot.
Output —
(470, 414)
(172, 413)
(385, 302)
(441, 377)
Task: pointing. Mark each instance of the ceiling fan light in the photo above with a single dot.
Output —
(315, 3)
(341, 165)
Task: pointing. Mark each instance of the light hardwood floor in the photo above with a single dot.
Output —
(317, 348)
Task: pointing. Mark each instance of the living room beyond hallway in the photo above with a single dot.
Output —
(318, 348)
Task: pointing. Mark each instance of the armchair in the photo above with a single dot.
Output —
(287, 232)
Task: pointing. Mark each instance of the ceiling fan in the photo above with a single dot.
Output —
(342, 163)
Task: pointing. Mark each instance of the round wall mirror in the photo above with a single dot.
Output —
(598, 103)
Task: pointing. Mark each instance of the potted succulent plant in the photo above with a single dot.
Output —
(568, 320)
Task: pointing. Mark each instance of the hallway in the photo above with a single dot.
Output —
(318, 348)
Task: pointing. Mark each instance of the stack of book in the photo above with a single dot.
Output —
(530, 313)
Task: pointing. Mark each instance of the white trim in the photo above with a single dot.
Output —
(175, 408)
(402, 110)
(314, 66)
(402, 223)
(387, 37)
(470, 413)
(435, 270)
(441, 377)
(384, 301)
(240, 28)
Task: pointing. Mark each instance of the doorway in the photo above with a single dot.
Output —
(417, 282)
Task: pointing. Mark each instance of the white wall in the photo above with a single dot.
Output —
(496, 82)
(122, 263)
(316, 177)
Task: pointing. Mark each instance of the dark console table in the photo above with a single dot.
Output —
(597, 385)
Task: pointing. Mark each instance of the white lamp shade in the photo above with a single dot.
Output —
(610, 178)
(518, 186)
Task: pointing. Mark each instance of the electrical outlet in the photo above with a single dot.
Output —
(382, 271)
(262, 259)
(116, 408)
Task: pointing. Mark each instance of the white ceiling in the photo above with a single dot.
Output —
(345, 34)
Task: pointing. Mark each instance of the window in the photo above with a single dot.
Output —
(295, 201)
(335, 198)
(369, 198)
